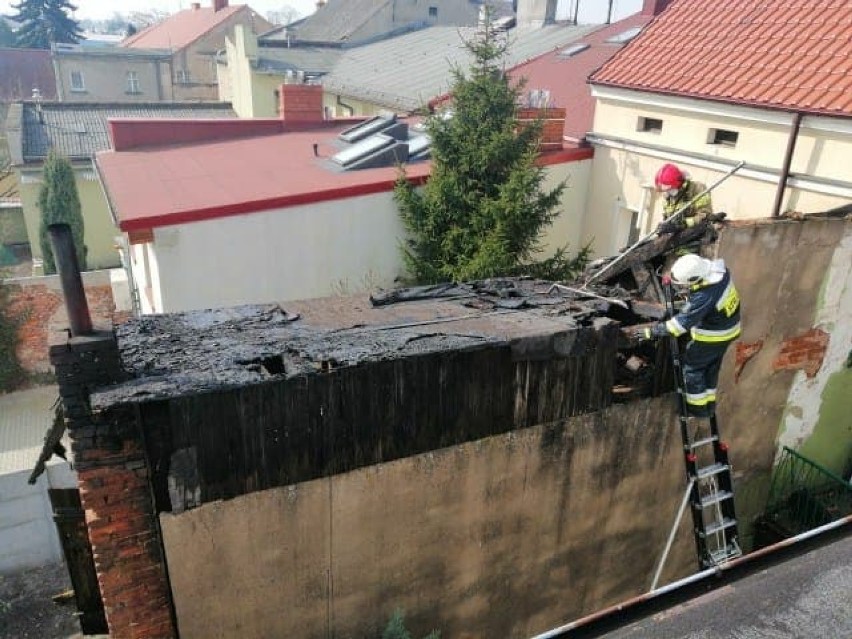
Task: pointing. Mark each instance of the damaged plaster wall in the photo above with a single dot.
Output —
(790, 386)
(506, 536)
(817, 418)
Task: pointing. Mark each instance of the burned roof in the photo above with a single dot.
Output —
(179, 354)
(171, 355)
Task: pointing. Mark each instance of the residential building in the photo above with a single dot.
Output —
(250, 75)
(406, 73)
(269, 210)
(78, 131)
(559, 77)
(351, 22)
(707, 85)
(194, 36)
(113, 74)
(24, 74)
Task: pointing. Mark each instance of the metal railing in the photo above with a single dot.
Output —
(804, 495)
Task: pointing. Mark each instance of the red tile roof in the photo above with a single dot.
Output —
(566, 76)
(22, 70)
(181, 29)
(150, 187)
(785, 54)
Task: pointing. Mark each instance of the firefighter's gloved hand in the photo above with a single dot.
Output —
(717, 217)
(665, 227)
(643, 332)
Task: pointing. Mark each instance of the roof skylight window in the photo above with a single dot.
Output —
(625, 36)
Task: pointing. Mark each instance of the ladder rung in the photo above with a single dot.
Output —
(715, 498)
(709, 471)
(716, 526)
(724, 554)
(698, 443)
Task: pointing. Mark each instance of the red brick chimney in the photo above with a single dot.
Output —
(654, 7)
(301, 103)
(218, 5)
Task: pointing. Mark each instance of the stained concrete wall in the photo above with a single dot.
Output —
(795, 280)
(512, 534)
(502, 537)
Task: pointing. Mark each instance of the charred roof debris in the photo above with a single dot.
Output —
(166, 356)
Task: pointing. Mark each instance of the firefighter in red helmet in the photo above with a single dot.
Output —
(678, 190)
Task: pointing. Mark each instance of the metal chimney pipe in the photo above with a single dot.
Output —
(65, 256)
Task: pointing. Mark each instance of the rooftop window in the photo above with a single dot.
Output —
(722, 137)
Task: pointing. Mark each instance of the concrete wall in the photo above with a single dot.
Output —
(28, 537)
(100, 231)
(251, 94)
(327, 248)
(503, 537)
(519, 532)
(795, 281)
(626, 159)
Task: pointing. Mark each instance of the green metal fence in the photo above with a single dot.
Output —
(803, 495)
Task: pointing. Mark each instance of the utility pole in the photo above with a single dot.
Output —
(576, 10)
(609, 13)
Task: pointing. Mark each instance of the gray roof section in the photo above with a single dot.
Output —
(404, 73)
(79, 130)
(311, 60)
(338, 20)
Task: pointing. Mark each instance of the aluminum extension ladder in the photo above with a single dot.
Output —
(709, 490)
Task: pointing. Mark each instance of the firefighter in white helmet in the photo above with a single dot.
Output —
(712, 318)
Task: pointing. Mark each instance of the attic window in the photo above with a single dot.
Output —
(649, 125)
(132, 82)
(625, 36)
(77, 82)
(182, 76)
(722, 137)
(433, 12)
(573, 50)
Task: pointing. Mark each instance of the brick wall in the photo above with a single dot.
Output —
(301, 102)
(113, 478)
(38, 301)
(803, 352)
(553, 125)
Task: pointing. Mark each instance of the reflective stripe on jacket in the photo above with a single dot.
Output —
(711, 314)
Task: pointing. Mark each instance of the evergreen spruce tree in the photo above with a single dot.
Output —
(59, 202)
(483, 209)
(7, 37)
(45, 22)
(11, 373)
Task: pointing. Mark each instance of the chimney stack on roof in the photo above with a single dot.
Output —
(536, 13)
(218, 5)
(654, 7)
(301, 103)
(195, 6)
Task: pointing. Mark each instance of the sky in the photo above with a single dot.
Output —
(591, 11)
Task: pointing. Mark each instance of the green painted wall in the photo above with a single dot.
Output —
(830, 445)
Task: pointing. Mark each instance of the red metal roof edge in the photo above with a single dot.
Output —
(255, 206)
(701, 96)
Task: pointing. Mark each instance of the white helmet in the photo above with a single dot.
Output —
(690, 269)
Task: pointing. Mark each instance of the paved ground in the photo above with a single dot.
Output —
(806, 597)
(27, 610)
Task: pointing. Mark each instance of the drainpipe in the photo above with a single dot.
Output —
(65, 256)
(785, 169)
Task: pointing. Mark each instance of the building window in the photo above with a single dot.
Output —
(182, 76)
(77, 83)
(433, 12)
(133, 82)
(649, 125)
(722, 137)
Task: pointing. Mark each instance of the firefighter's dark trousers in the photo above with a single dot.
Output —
(701, 364)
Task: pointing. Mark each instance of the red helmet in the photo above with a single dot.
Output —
(669, 177)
